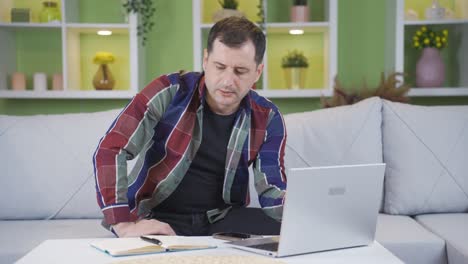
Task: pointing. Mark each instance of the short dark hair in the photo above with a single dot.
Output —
(235, 31)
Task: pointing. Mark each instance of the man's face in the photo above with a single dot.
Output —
(229, 75)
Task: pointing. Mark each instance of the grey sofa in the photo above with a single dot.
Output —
(48, 186)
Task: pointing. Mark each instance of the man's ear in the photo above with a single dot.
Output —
(259, 71)
(205, 58)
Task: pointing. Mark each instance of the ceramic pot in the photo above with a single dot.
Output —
(299, 13)
(103, 79)
(430, 69)
(295, 77)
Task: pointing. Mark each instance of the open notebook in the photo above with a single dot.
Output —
(135, 246)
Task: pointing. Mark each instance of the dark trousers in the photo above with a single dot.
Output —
(239, 219)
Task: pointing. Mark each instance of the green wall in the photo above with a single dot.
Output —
(361, 55)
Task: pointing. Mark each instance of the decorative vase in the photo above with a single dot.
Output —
(224, 13)
(300, 13)
(430, 69)
(295, 77)
(103, 79)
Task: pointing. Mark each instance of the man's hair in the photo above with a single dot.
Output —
(234, 32)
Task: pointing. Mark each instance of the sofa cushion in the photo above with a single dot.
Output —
(335, 136)
(425, 149)
(47, 168)
(19, 237)
(454, 229)
(409, 241)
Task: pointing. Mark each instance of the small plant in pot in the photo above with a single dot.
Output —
(299, 11)
(295, 64)
(229, 8)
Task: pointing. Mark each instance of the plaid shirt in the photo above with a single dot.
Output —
(162, 127)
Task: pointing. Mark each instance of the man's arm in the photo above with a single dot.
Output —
(269, 171)
(128, 135)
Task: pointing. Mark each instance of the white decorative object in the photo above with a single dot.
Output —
(435, 11)
(411, 14)
(40, 81)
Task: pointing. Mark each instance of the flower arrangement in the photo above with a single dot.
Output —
(103, 57)
(295, 58)
(427, 38)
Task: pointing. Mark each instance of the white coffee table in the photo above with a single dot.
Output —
(79, 251)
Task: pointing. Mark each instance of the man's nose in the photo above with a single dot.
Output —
(228, 78)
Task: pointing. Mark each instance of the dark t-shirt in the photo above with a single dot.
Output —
(201, 188)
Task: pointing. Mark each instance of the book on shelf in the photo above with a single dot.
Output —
(117, 247)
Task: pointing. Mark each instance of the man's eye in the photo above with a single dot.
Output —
(220, 67)
(241, 72)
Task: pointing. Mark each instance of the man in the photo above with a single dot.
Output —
(195, 135)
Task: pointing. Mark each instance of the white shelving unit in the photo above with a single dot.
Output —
(279, 30)
(397, 26)
(75, 52)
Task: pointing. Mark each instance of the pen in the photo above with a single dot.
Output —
(151, 240)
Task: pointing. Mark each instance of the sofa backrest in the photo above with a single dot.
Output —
(46, 163)
(342, 135)
(426, 152)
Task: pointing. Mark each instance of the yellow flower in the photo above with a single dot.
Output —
(425, 37)
(103, 57)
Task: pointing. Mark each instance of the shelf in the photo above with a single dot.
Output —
(443, 91)
(30, 25)
(67, 94)
(298, 25)
(436, 22)
(402, 57)
(68, 48)
(318, 43)
(97, 26)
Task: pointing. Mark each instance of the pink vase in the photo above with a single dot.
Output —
(300, 13)
(430, 69)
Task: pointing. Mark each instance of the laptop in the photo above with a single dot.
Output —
(325, 208)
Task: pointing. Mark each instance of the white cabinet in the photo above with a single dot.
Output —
(68, 47)
(407, 16)
(318, 43)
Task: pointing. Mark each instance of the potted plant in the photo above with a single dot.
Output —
(294, 64)
(145, 11)
(299, 11)
(430, 68)
(229, 8)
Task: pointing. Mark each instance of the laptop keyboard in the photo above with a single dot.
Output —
(273, 246)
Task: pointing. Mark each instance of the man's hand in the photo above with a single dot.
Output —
(143, 227)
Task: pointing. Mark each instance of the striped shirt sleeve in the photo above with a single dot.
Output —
(269, 171)
(126, 137)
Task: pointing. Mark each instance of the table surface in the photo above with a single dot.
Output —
(79, 251)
